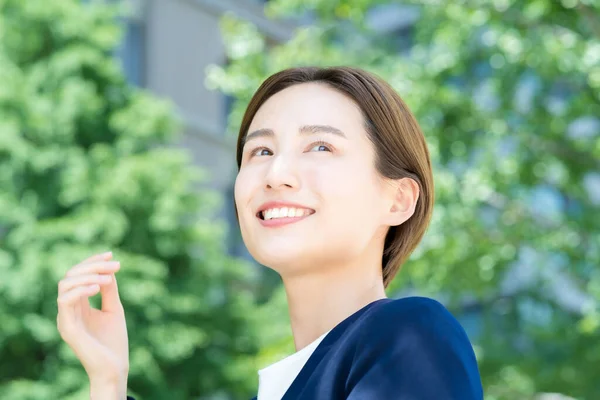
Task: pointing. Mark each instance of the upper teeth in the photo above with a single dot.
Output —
(285, 212)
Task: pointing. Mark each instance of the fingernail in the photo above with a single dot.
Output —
(106, 254)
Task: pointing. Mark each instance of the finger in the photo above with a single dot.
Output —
(97, 257)
(68, 301)
(103, 267)
(69, 298)
(67, 284)
(111, 301)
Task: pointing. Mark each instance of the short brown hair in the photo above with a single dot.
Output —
(400, 147)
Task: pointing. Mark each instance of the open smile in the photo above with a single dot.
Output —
(275, 222)
(273, 217)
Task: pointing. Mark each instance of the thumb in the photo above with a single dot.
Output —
(110, 296)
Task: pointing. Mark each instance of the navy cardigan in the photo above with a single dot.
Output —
(406, 349)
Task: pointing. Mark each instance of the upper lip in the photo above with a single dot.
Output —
(280, 204)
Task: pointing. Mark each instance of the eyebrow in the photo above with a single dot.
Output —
(304, 130)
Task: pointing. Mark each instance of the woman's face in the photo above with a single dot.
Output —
(307, 146)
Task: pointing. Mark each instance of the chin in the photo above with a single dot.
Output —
(273, 257)
(278, 258)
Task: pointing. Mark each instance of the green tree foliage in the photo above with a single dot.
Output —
(508, 95)
(84, 168)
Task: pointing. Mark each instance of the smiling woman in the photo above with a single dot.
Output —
(334, 191)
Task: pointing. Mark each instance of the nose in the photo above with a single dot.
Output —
(281, 173)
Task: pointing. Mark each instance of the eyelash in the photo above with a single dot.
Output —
(318, 142)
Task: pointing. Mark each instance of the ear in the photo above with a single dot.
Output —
(404, 194)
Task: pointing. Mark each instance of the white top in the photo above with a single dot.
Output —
(275, 379)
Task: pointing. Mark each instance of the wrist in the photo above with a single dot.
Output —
(108, 388)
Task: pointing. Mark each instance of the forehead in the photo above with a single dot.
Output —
(308, 104)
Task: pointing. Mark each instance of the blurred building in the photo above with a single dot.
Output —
(167, 47)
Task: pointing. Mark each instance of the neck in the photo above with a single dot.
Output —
(320, 300)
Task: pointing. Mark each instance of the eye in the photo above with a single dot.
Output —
(321, 144)
(258, 151)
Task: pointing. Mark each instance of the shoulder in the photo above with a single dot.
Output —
(415, 330)
(414, 305)
(416, 347)
(411, 315)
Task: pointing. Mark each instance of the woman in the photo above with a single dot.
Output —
(334, 191)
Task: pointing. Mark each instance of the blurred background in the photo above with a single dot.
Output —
(118, 123)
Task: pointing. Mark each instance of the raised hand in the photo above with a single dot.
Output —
(97, 336)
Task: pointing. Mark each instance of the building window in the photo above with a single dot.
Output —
(131, 50)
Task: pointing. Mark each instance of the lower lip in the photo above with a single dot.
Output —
(275, 222)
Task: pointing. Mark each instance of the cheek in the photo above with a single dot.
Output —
(340, 183)
(241, 193)
(350, 195)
